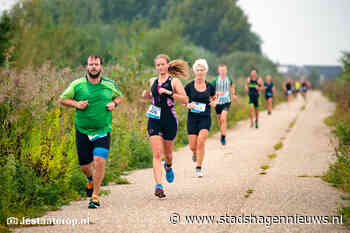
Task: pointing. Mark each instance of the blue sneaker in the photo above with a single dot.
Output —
(169, 174)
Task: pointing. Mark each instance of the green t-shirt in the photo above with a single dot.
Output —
(223, 85)
(95, 118)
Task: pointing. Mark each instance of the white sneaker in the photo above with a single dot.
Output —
(199, 173)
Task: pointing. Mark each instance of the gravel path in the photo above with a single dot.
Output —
(290, 187)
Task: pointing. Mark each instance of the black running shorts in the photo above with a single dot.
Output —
(196, 124)
(88, 148)
(222, 107)
(254, 101)
(167, 129)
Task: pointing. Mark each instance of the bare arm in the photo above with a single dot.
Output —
(246, 85)
(233, 89)
(179, 92)
(146, 94)
(74, 104)
(261, 85)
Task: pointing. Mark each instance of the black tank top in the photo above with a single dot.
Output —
(253, 84)
(289, 86)
(163, 101)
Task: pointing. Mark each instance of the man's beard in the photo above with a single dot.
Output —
(94, 76)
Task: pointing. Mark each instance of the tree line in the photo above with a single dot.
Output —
(66, 31)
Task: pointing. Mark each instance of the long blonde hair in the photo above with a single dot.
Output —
(177, 67)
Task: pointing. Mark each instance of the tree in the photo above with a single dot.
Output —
(5, 37)
(345, 60)
(241, 63)
(219, 26)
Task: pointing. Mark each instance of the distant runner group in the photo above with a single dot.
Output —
(95, 97)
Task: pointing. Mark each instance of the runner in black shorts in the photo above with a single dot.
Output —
(162, 122)
(305, 85)
(288, 89)
(252, 87)
(225, 92)
(269, 90)
(94, 97)
(201, 96)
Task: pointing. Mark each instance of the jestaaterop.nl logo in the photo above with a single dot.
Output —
(12, 221)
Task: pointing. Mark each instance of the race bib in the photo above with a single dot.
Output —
(289, 92)
(153, 112)
(198, 107)
(269, 94)
(97, 136)
(224, 98)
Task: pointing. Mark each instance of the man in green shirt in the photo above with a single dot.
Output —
(94, 97)
(225, 92)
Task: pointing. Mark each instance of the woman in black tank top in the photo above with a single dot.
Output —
(162, 122)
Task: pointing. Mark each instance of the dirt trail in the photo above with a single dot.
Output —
(229, 172)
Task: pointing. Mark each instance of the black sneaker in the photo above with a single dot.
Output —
(94, 203)
(159, 192)
(223, 140)
(256, 124)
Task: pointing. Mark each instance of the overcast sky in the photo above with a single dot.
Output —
(301, 31)
(6, 4)
(295, 31)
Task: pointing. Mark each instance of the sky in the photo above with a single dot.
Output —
(309, 32)
(6, 4)
(301, 32)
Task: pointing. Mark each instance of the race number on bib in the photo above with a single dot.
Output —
(153, 112)
(224, 98)
(289, 92)
(198, 107)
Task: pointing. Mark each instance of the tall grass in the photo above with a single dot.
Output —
(339, 173)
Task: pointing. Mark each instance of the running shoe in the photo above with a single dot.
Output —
(89, 188)
(223, 141)
(199, 172)
(194, 158)
(269, 112)
(159, 191)
(94, 203)
(169, 173)
(256, 124)
(251, 124)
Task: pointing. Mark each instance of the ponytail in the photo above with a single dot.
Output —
(179, 68)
